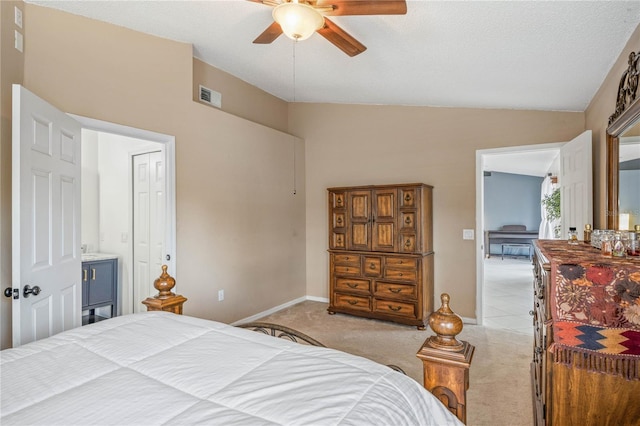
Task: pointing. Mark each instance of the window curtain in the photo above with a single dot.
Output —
(546, 226)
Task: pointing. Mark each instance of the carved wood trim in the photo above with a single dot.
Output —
(626, 112)
(627, 88)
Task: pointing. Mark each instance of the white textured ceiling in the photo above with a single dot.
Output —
(534, 162)
(542, 55)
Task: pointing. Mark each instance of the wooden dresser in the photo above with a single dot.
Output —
(381, 252)
(586, 353)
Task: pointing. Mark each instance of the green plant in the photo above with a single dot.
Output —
(551, 204)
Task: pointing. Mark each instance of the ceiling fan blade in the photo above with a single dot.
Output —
(341, 39)
(272, 32)
(364, 7)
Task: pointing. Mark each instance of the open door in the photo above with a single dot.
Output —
(46, 269)
(576, 184)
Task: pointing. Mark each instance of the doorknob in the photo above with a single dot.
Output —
(8, 292)
(28, 290)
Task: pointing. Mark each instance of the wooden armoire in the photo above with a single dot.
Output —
(381, 252)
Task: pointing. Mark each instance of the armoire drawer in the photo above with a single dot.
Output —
(395, 291)
(351, 285)
(401, 274)
(397, 262)
(391, 307)
(360, 303)
(347, 259)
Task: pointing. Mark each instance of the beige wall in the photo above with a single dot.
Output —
(597, 117)
(240, 98)
(239, 226)
(356, 144)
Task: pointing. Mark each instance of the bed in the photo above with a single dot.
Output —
(160, 368)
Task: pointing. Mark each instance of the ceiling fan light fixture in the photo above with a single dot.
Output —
(298, 20)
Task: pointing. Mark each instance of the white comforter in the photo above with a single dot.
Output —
(160, 368)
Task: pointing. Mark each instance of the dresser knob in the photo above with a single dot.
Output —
(395, 290)
(531, 312)
(394, 308)
(407, 220)
(352, 302)
(372, 266)
(352, 285)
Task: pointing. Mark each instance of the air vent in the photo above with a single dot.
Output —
(210, 97)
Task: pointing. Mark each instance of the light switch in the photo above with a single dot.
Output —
(18, 16)
(467, 234)
(19, 41)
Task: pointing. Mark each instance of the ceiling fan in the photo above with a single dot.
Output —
(299, 19)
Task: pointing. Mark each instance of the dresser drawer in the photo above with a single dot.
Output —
(395, 291)
(347, 270)
(401, 274)
(347, 259)
(348, 301)
(407, 243)
(353, 285)
(372, 266)
(401, 262)
(395, 308)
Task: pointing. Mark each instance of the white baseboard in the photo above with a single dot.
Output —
(279, 308)
(318, 299)
(275, 309)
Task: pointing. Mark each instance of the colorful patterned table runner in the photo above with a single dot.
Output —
(595, 305)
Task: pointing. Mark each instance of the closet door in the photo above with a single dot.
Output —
(148, 224)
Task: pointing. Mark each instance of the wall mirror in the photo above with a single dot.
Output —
(623, 152)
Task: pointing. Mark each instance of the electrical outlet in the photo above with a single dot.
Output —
(467, 234)
(220, 295)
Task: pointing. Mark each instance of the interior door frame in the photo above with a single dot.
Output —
(479, 235)
(170, 160)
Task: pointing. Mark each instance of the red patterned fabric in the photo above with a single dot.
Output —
(595, 305)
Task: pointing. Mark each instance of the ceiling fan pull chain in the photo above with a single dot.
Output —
(294, 69)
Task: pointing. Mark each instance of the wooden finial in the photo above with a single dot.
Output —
(164, 283)
(446, 324)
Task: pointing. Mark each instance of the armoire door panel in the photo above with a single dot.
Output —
(383, 239)
(385, 205)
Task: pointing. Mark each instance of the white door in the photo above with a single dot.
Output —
(45, 219)
(148, 224)
(576, 183)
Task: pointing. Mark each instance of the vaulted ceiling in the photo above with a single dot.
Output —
(541, 55)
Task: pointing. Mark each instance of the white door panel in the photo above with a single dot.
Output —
(149, 223)
(45, 218)
(576, 183)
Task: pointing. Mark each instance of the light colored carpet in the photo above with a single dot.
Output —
(500, 385)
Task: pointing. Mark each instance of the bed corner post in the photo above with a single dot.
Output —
(446, 360)
(165, 300)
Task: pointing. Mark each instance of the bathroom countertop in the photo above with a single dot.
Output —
(90, 257)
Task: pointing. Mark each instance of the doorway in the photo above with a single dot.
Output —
(508, 278)
(111, 194)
